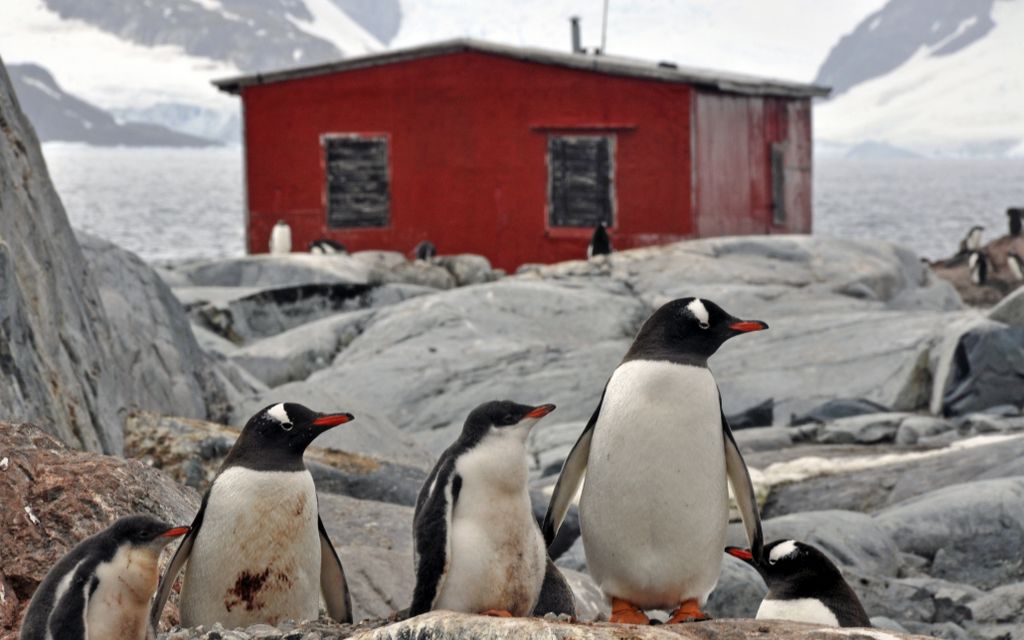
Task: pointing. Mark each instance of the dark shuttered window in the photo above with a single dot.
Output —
(358, 184)
(580, 180)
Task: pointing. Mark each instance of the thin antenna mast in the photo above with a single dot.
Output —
(604, 27)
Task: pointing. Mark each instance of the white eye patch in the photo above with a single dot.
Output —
(278, 413)
(699, 311)
(783, 550)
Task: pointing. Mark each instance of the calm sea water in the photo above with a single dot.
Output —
(172, 204)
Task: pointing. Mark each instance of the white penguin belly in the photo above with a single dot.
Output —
(799, 610)
(119, 607)
(257, 555)
(655, 502)
(497, 552)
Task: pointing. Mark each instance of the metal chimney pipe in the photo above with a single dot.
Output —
(577, 46)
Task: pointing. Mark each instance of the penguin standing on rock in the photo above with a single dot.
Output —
(657, 453)
(1016, 265)
(258, 551)
(477, 545)
(281, 238)
(978, 263)
(803, 586)
(600, 242)
(972, 241)
(425, 251)
(101, 589)
(326, 246)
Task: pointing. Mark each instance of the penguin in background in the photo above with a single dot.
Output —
(102, 588)
(803, 586)
(978, 263)
(972, 241)
(1016, 265)
(425, 251)
(658, 453)
(326, 246)
(281, 238)
(258, 551)
(477, 545)
(600, 242)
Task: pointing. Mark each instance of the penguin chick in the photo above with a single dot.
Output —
(101, 589)
(659, 455)
(803, 586)
(258, 551)
(478, 547)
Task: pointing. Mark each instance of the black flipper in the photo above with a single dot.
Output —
(432, 525)
(742, 489)
(175, 565)
(333, 585)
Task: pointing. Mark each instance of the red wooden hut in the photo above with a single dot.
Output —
(517, 153)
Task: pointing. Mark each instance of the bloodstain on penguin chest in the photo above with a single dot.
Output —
(251, 587)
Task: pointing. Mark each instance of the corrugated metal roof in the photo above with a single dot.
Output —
(611, 65)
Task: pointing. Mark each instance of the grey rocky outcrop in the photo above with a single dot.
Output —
(164, 368)
(56, 343)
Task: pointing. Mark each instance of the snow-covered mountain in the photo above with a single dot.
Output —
(930, 76)
(935, 77)
(58, 115)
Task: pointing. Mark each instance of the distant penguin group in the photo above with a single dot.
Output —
(658, 457)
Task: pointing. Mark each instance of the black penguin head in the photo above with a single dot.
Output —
(791, 564)
(688, 330)
(277, 435)
(144, 531)
(503, 416)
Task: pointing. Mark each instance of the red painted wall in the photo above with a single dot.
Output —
(733, 168)
(468, 135)
(468, 146)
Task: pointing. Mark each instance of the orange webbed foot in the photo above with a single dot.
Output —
(624, 612)
(688, 611)
(496, 613)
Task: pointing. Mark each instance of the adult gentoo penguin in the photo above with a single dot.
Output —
(101, 589)
(326, 246)
(1016, 265)
(600, 242)
(424, 250)
(258, 551)
(978, 263)
(477, 545)
(281, 238)
(972, 241)
(657, 452)
(803, 586)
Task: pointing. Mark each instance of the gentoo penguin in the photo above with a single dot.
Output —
(803, 586)
(324, 245)
(978, 263)
(972, 241)
(101, 589)
(425, 251)
(281, 238)
(258, 551)
(1015, 214)
(657, 452)
(1016, 264)
(600, 242)
(477, 545)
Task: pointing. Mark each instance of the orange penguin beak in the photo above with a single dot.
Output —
(746, 326)
(175, 532)
(333, 419)
(541, 411)
(742, 554)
